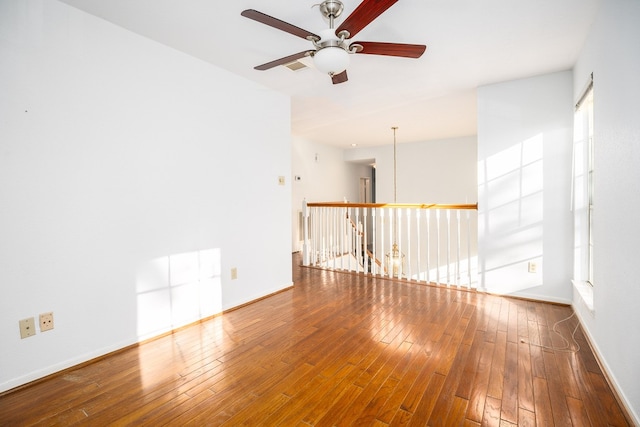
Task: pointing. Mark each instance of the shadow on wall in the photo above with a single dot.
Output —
(510, 217)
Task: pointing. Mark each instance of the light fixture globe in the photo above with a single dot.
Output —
(331, 60)
(331, 57)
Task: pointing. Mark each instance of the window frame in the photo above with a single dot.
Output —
(582, 194)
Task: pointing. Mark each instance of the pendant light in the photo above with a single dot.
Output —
(394, 260)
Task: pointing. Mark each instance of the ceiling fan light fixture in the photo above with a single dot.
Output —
(331, 60)
(333, 45)
(330, 57)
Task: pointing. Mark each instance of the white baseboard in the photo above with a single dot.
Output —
(608, 373)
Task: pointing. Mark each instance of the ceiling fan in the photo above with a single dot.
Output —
(333, 46)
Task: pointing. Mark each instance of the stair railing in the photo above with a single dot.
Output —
(434, 243)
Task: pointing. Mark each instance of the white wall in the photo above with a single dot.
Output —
(440, 171)
(130, 185)
(324, 175)
(612, 54)
(524, 171)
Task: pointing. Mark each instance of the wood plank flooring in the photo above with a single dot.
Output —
(342, 349)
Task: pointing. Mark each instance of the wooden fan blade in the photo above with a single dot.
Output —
(366, 12)
(276, 23)
(391, 49)
(339, 78)
(282, 61)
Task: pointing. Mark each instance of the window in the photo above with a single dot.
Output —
(583, 195)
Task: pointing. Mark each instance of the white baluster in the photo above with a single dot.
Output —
(339, 236)
(334, 252)
(327, 231)
(327, 237)
(312, 236)
(305, 234)
(438, 246)
(392, 220)
(383, 272)
(428, 239)
(358, 240)
(350, 234)
(374, 228)
(458, 247)
(361, 248)
(316, 235)
(342, 212)
(322, 235)
(365, 255)
(469, 248)
(448, 246)
(401, 237)
(408, 275)
(418, 243)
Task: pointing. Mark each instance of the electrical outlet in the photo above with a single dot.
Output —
(533, 267)
(234, 273)
(46, 322)
(27, 327)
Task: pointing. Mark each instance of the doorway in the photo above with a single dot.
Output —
(367, 188)
(365, 191)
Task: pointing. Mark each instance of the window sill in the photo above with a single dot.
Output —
(585, 290)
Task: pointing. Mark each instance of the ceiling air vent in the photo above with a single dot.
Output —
(295, 66)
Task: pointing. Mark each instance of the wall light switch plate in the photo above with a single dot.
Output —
(27, 327)
(281, 180)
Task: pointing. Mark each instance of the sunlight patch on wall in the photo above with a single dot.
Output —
(511, 215)
(175, 290)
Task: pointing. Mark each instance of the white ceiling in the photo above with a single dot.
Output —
(470, 43)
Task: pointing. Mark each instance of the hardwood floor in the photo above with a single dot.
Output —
(341, 349)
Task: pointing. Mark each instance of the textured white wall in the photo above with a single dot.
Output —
(524, 178)
(440, 171)
(611, 53)
(130, 185)
(325, 176)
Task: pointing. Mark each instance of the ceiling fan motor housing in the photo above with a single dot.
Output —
(331, 9)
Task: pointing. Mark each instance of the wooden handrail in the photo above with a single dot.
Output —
(392, 205)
